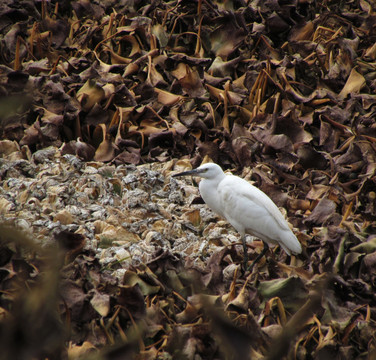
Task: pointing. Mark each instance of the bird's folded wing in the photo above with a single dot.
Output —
(249, 199)
(251, 211)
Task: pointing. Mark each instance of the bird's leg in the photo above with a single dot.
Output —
(262, 253)
(245, 251)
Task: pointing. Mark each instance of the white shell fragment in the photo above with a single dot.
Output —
(126, 213)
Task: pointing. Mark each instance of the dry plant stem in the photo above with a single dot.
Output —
(281, 346)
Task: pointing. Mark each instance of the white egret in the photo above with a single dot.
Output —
(246, 208)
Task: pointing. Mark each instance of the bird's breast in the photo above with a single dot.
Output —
(209, 193)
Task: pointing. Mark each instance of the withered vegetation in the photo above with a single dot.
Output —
(103, 256)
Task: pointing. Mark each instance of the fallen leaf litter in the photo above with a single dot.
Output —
(280, 94)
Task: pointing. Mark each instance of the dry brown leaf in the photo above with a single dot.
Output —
(90, 94)
(167, 98)
(354, 84)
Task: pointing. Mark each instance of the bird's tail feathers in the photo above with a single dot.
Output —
(290, 243)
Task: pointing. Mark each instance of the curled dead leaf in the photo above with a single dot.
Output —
(90, 94)
(354, 84)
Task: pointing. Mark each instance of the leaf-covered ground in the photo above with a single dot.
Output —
(104, 256)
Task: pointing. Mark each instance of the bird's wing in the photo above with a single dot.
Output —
(242, 200)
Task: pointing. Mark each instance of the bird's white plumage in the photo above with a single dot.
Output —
(246, 208)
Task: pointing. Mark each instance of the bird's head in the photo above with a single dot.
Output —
(206, 171)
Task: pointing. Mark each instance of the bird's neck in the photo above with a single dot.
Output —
(209, 193)
(213, 183)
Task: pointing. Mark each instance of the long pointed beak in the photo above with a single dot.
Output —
(190, 172)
